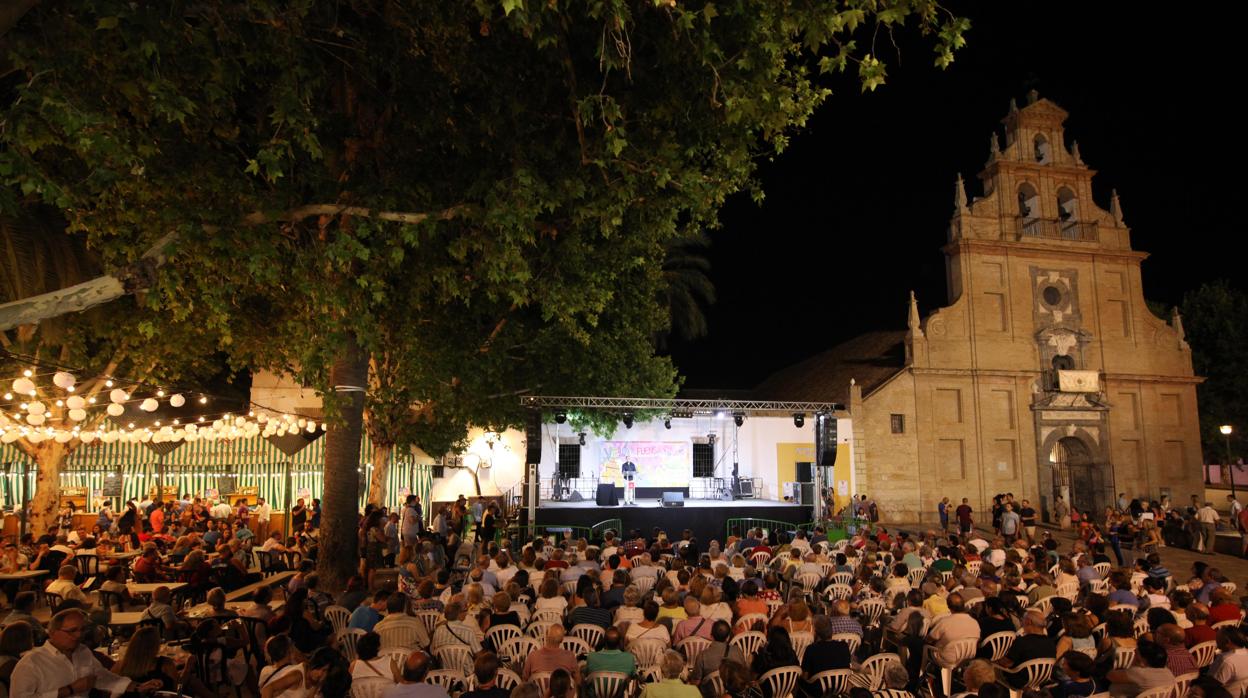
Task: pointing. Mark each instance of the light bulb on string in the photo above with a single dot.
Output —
(108, 383)
(203, 399)
(160, 393)
(8, 396)
(28, 373)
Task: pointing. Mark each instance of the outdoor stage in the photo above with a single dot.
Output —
(705, 517)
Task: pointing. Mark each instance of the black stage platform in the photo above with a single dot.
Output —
(706, 518)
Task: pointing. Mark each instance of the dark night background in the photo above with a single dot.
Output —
(857, 207)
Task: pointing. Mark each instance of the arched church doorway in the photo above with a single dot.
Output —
(1077, 477)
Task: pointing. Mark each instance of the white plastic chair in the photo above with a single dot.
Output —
(1037, 673)
(1161, 692)
(449, 679)
(809, 580)
(845, 578)
(430, 619)
(781, 681)
(609, 684)
(456, 657)
(749, 643)
(999, 643)
(517, 651)
(693, 646)
(1069, 590)
(915, 577)
(346, 641)
(369, 687)
(850, 639)
(875, 665)
(1204, 653)
(801, 639)
(591, 634)
(760, 559)
(338, 617)
(831, 683)
(1124, 657)
(1102, 568)
(399, 635)
(838, 591)
(1225, 624)
(870, 611)
(960, 650)
(499, 635)
(542, 679)
(1183, 683)
(647, 651)
(752, 621)
(576, 645)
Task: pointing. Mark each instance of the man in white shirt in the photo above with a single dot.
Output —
(64, 668)
(263, 512)
(64, 586)
(221, 511)
(1207, 517)
(396, 615)
(958, 625)
(454, 631)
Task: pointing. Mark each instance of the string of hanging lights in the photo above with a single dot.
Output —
(24, 414)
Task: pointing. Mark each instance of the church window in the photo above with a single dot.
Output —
(1052, 295)
(1062, 362)
(1028, 202)
(898, 423)
(1043, 150)
(1067, 204)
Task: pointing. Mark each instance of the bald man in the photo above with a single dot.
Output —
(412, 683)
(1034, 643)
(551, 656)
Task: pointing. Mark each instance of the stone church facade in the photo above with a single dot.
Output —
(1045, 375)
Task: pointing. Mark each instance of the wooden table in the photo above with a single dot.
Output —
(203, 610)
(125, 618)
(123, 556)
(250, 589)
(146, 589)
(22, 575)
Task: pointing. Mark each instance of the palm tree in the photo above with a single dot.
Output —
(687, 287)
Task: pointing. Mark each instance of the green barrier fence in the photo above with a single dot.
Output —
(836, 527)
(518, 534)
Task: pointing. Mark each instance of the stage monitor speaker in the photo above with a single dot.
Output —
(825, 440)
(673, 499)
(533, 437)
(576, 497)
(804, 473)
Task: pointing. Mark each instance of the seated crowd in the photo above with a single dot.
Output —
(764, 615)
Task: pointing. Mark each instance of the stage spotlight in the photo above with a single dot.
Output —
(710, 438)
(628, 420)
(667, 422)
(799, 420)
(738, 418)
(561, 417)
(582, 438)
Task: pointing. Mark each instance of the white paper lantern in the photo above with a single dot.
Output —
(149, 405)
(191, 437)
(63, 437)
(34, 419)
(23, 385)
(63, 380)
(76, 402)
(311, 427)
(77, 415)
(36, 407)
(115, 409)
(9, 437)
(86, 437)
(36, 437)
(177, 400)
(117, 395)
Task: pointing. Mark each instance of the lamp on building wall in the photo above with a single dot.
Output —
(1230, 469)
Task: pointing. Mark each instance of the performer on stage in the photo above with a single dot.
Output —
(630, 488)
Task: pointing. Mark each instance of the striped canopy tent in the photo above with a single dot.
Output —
(194, 468)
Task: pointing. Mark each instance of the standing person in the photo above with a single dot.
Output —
(942, 510)
(413, 523)
(316, 513)
(1027, 514)
(242, 512)
(1010, 523)
(489, 523)
(1061, 512)
(263, 513)
(965, 521)
(298, 515)
(1235, 507)
(1207, 517)
(629, 470)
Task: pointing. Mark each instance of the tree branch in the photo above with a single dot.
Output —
(312, 210)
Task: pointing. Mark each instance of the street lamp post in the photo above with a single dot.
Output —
(1230, 468)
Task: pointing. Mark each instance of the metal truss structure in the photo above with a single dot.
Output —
(676, 407)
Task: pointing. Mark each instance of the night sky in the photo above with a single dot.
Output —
(857, 208)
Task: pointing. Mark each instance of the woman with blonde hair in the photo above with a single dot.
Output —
(143, 663)
(629, 611)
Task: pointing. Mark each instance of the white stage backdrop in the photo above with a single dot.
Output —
(659, 463)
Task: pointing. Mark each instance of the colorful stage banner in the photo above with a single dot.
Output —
(659, 463)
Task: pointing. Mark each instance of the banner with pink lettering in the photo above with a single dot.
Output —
(659, 463)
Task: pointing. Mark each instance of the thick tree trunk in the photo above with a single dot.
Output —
(46, 506)
(381, 469)
(338, 554)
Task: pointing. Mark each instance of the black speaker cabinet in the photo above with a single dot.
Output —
(825, 441)
(804, 473)
(673, 499)
(533, 437)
